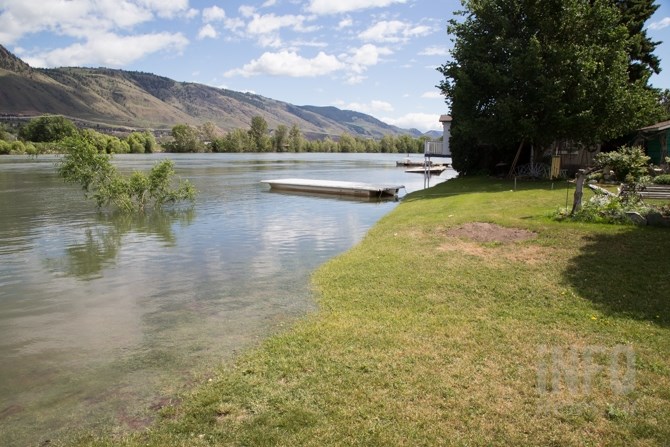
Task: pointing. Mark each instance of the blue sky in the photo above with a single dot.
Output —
(373, 56)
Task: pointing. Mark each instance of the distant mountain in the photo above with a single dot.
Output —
(109, 98)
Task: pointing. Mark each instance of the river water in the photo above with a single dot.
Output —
(105, 317)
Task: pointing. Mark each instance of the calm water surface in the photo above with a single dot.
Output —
(104, 317)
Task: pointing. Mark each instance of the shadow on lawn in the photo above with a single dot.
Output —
(626, 274)
(479, 184)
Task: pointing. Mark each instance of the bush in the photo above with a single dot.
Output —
(47, 128)
(663, 179)
(604, 209)
(628, 163)
(86, 165)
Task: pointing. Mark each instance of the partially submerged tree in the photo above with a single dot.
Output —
(539, 71)
(84, 164)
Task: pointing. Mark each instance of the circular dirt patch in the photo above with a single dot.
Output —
(488, 232)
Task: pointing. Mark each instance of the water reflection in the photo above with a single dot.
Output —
(85, 259)
(103, 315)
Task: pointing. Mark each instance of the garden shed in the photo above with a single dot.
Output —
(655, 139)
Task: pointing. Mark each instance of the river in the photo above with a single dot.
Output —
(105, 317)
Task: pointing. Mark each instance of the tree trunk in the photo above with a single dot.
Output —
(579, 191)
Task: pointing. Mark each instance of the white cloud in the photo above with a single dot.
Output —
(434, 51)
(393, 31)
(367, 55)
(433, 94)
(270, 23)
(191, 13)
(103, 29)
(663, 23)
(342, 6)
(354, 79)
(289, 63)
(207, 31)
(213, 14)
(269, 3)
(246, 10)
(164, 8)
(421, 121)
(345, 23)
(109, 50)
(370, 107)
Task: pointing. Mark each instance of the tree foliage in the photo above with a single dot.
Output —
(85, 164)
(628, 163)
(539, 71)
(47, 128)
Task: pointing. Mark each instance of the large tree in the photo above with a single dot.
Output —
(634, 14)
(538, 71)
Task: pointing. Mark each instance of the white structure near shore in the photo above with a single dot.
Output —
(440, 148)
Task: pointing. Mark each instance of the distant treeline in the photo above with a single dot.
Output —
(42, 134)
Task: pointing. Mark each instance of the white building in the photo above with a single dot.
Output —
(440, 148)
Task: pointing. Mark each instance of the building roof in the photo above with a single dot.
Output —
(663, 125)
(447, 118)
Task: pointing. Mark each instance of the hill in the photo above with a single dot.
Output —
(108, 98)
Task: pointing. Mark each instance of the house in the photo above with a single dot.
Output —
(440, 148)
(656, 140)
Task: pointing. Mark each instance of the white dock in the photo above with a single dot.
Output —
(334, 187)
(434, 170)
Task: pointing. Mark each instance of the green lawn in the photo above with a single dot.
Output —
(426, 338)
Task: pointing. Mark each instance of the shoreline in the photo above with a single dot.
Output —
(427, 336)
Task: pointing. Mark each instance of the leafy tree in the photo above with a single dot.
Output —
(388, 144)
(84, 164)
(107, 144)
(347, 143)
(141, 142)
(209, 131)
(47, 128)
(258, 133)
(643, 62)
(538, 71)
(186, 139)
(295, 139)
(280, 138)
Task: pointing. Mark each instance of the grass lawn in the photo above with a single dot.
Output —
(428, 336)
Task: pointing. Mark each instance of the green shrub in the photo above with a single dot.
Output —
(5, 147)
(47, 128)
(628, 163)
(86, 165)
(663, 179)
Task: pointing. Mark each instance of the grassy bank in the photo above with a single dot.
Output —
(430, 336)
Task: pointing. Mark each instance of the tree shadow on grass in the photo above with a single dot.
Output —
(626, 274)
(479, 184)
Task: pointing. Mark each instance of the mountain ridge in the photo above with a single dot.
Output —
(114, 97)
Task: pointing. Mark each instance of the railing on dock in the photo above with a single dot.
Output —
(436, 149)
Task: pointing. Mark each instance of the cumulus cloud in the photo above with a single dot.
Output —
(109, 50)
(663, 23)
(342, 6)
(366, 107)
(269, 23)
(100, 26)
(289, 63)
(393, 31)
(422, 121)
(367, 55)
(345, 23)
(207, 31)
(434, 51)
(213, 14)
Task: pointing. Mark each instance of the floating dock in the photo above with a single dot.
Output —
(433, 170)
(334, 187)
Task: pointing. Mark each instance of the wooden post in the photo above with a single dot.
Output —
(579, 191)
(516, 160)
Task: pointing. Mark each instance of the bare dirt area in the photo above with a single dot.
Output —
(473, 239)
(487, 232)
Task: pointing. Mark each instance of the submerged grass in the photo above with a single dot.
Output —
(425, 338)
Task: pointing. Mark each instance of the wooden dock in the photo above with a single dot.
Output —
(433, 170)
(334, 187)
